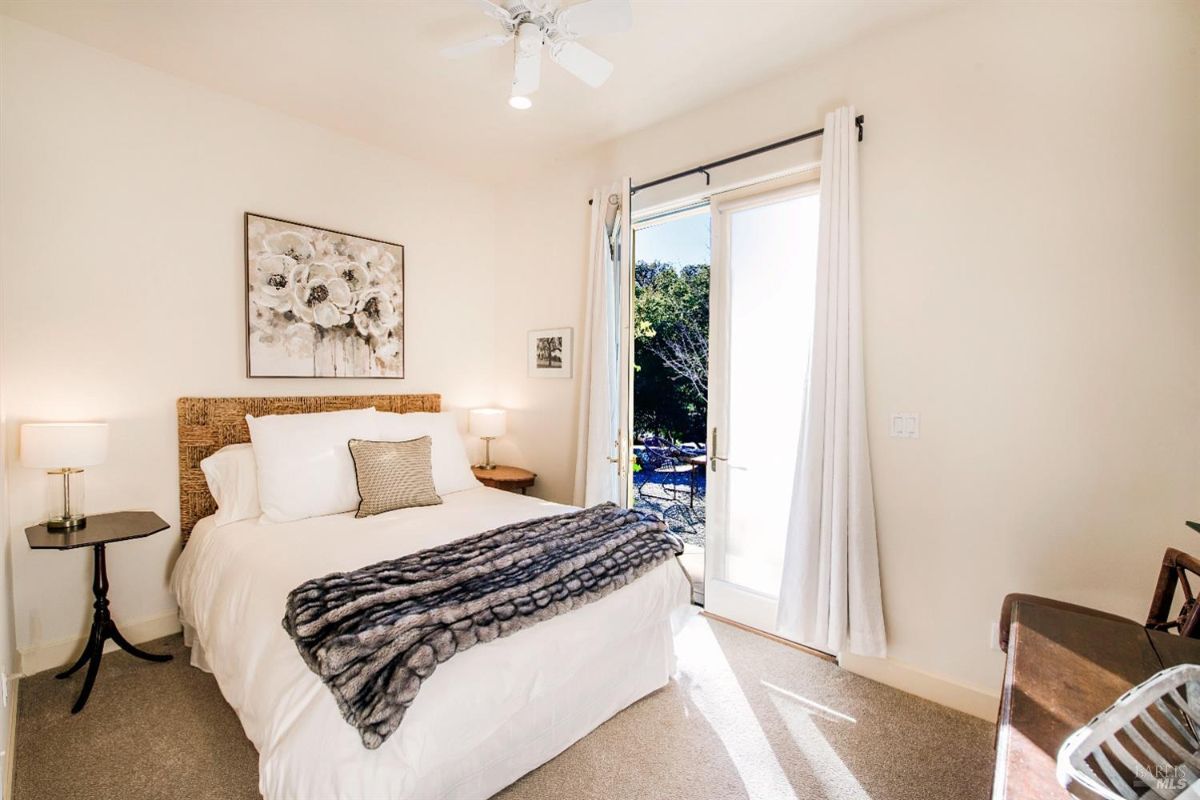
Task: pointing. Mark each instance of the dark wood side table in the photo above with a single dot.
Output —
(502, 477)
(102, 529)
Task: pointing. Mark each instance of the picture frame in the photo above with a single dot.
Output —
(551, 353)
(321, 303)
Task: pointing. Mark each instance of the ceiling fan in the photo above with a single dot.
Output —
(537, 23)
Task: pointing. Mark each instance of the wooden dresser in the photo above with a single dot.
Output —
(1065, 666)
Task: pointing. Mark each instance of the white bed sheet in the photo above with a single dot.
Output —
(483, 719)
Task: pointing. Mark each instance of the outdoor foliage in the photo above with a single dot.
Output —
(671, 349)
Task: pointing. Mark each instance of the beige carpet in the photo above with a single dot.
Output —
(746, 718)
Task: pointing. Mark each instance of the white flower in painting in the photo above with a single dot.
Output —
(389, 284)
(376, 258)
(375, 315)
(272, 329)
(321, 297)
(271, 281)
(354, 274)
(293, 244)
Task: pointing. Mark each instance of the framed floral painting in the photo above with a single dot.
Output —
(322, 304)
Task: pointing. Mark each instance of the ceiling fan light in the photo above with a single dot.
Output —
(520, 102)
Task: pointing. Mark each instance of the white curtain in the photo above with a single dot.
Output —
(596, 477)
(830, 597)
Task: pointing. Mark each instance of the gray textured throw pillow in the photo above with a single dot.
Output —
(393, 475)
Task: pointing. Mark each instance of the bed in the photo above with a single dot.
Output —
(485, 718)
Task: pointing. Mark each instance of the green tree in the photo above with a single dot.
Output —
(671, 349)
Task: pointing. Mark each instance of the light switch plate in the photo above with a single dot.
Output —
(905, 426)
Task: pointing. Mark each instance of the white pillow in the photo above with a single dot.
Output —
(451, 467)
(232, 478)
(304, 464)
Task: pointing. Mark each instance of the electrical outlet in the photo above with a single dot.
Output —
(994, 636)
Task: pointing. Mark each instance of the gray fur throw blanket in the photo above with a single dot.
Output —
(375, 634)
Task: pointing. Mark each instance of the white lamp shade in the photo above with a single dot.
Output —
(488, 422)
(54, 445)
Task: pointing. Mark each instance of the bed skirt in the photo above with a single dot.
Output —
(540, 731)
(198, 659)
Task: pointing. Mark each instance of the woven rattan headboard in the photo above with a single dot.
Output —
(206, 424)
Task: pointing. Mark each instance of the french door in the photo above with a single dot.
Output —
(764, 248)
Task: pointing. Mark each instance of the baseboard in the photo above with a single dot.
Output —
(968, 699)
(10, 747)
(62, 652)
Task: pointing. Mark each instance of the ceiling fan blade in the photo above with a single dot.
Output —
(470, 48)
(581, 62)
(595, 17)
(527, 71)
(495, 11)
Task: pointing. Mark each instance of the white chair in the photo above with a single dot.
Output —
(1144, 746)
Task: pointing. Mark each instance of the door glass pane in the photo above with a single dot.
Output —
(772, 253)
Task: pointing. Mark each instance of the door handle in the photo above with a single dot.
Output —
(617, 459)
(713, 458)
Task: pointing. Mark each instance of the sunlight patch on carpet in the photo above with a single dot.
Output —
(711, 685)
(811, 705)
(826, 765)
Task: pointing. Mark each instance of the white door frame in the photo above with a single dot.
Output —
(624, 443)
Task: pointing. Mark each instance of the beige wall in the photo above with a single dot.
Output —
(1032, 272)
(8, 650)
(542, 286)
(122, 268)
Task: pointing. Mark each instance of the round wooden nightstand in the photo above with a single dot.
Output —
(502, 477)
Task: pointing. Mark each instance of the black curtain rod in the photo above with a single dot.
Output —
(703, 169)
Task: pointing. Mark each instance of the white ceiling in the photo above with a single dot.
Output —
(371, 69)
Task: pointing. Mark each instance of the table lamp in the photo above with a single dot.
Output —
(63, 449)
(487, 424)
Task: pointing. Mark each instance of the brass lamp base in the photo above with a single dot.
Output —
(71, 523)
(487, 454)
(63, 520)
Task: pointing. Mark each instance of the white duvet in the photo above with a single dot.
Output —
(483, 719)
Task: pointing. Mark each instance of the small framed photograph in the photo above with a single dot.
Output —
(550, 353)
